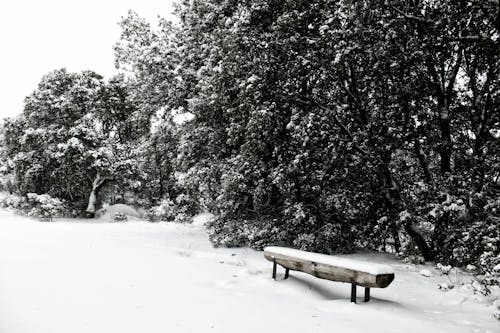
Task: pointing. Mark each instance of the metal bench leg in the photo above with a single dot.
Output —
(274, 270)
(353, 292)
(287, 273)
(367, 294)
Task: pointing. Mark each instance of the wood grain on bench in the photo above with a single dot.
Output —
(358, 273)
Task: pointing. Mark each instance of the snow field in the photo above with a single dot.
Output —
(88, 276)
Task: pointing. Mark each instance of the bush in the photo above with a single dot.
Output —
(165, 211)
(266, 231)
(119, 217)
(181, 210)
(257, 233)
(11, 201)
(45, 206)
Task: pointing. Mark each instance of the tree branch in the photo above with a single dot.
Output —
(471, 38)
(412, 17)
(438, 85)
(453, 76)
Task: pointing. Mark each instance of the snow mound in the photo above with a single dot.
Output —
(426, 273)
(202, 219)
(108, 211)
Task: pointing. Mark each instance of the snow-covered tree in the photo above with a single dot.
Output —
(317, 124)
(69, 141)
(343, 123)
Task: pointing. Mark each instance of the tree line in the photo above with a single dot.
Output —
(322, 125)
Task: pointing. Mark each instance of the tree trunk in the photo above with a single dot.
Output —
(419, 240)
(445, 147)
(97, 184)
(443, 91)
(394, 203)
(91, 205)
(422, 160)
(441, 231)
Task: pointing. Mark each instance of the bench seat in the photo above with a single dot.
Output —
(356, 272)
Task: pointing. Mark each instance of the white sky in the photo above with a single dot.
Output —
(39, 36)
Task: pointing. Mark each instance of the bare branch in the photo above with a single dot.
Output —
(412, 17)
(453, 76)
(469, 39)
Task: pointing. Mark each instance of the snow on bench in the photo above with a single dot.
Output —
(356, 272)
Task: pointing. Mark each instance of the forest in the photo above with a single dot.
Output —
(328, 126)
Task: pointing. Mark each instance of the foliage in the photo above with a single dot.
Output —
(120, 217)
(44, 206)
(165, 211)
(179, 210)
(326, 126)
(306, 115)
(75, 128)
(11, 201)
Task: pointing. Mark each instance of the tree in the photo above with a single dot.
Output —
(63, 144)
(151, 59)
(329, 125)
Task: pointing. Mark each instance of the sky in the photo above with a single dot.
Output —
(37, 37)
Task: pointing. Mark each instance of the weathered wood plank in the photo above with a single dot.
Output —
(330, 272)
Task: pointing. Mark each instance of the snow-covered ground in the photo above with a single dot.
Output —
(86, 276)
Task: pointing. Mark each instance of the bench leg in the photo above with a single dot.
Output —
(274, 270)
(287, 273)
(353, 292)
(367, 294)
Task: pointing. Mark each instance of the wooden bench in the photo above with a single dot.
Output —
(358, 273)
